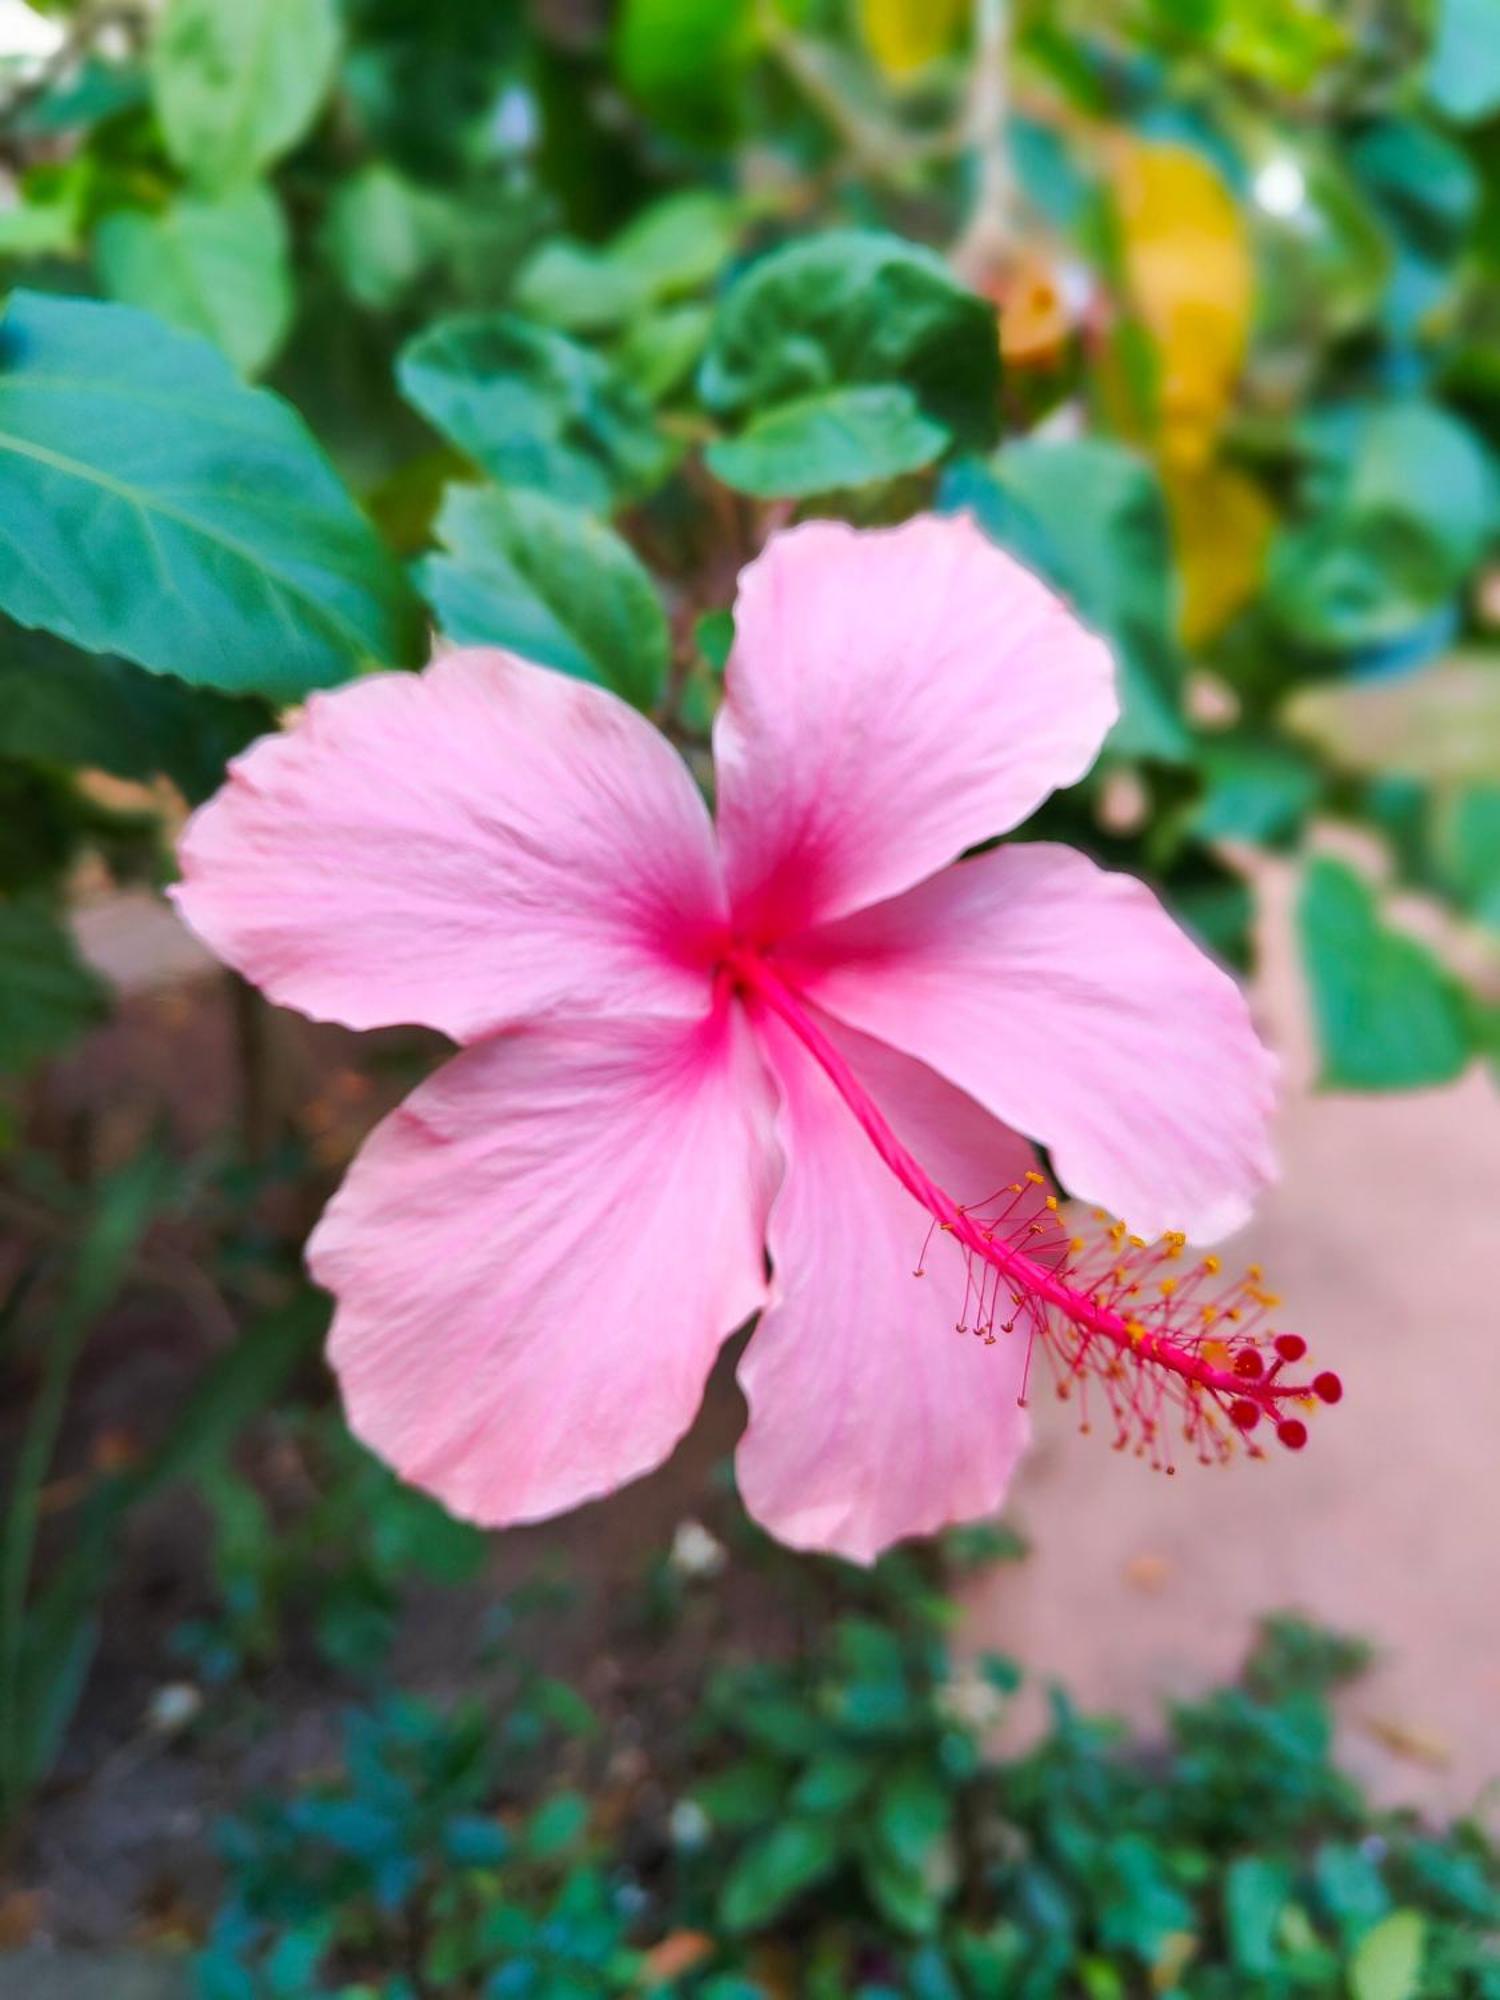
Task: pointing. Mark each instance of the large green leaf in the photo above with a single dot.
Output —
(238, 82)
(59, 706)
(1090, 517)
(216, 266)
(843, 437)
(533, 408)
(551, 583)
(1388, 1015)
(47, 993)
(152, 505)
(853, 307)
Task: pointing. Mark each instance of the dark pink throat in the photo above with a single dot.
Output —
(1158, 1337)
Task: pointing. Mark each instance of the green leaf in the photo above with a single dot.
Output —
(681, 59)
(237, 85)
(1423, 182)
(903, 1893)
(677, 245)
(856, 307)
(47, 993)
(576, 287)
(833, 1782)
(912, 1813)
(773, 1871)
(1401, 501)
(59, 706)
(1254, 789)
(1090, 517)
(1389, 1017)
(533, 408)
(1466, 850)
(659, 352)
(1463, 73)
(216, 266)
(670, 250)
(1387, 1962)
(1348, 583)
(1408, 461)
(154, 506)
(1256, 1891)
(551, 583)
(745, 1795)
(843, 437)
(383, 233)
(1350, 1886)
(555, 1826)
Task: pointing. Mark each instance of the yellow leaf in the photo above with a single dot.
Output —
(1221, 526)
(905, 35)
(1187, 265)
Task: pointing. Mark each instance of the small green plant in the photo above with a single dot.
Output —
(335, 1561)
(838, 1821)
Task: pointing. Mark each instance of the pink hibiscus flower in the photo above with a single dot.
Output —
(815, 1037)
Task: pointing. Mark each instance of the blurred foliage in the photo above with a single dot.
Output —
(559, 308)
(838, 1827)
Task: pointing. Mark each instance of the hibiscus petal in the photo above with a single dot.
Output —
(1071, 1005)
(893, 697)
(465, 847)
(537, 1256)
(871, 1418)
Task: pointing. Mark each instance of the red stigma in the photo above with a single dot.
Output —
(1290, 1346)
(1291, 1432)
(1327, 1387)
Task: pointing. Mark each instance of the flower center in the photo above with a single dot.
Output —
(1162, 1339)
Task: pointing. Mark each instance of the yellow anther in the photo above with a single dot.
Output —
(1212, 1266)
(1052, 1203)
(1208, 1314)
(1034, 1178)
(1137, 1242)
(1167, 1287)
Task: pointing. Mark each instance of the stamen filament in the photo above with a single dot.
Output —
(1251, 1385)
